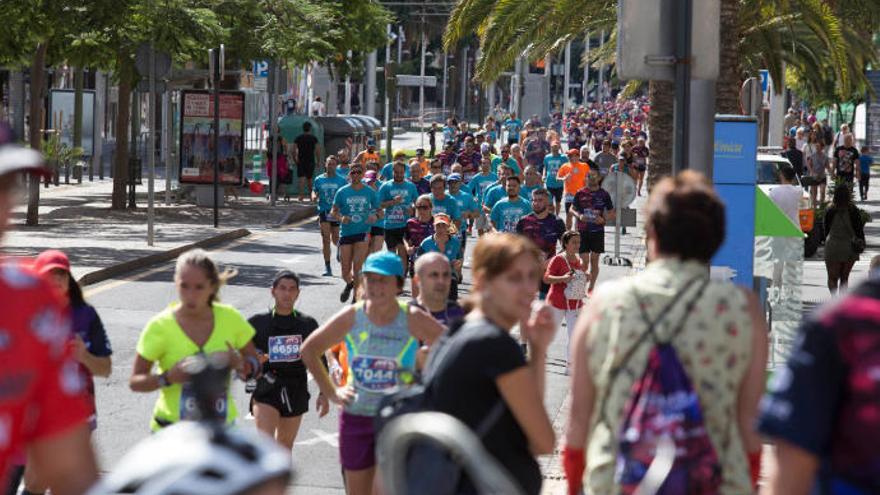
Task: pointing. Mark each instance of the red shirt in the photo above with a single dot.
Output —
(556, 296)
(41, 390)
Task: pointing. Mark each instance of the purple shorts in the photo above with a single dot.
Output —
(357, 442)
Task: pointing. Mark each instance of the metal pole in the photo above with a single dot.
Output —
(701, 134)
(216, 139)
(619, 195)
(273, 133)
(586, 88)
(462, 102)
(422, 89)
(151, 147)
(388, 78)
(98, 130)
(400, 36)
(167, 140)
(682, 85)
(445, 61)
(369, 98)
(135, 130)
(566, 78)
(347, 104)
(600, 91)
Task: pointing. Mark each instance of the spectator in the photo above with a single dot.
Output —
(865, 162)
(716, 328)
(795, 157)
(787, 195)
(845, 239)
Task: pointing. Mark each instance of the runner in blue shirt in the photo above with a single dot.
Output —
(442, 202)
(397, 198)
(513, 125)
(498, 191)
(324, 191)
(552, 162)
(355, 205)
(533, 182)
(443, 241)
(466, 203)
(387, 172)
(507, 213)
(478, 185)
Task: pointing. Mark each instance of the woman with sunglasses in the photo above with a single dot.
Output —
(355, 205)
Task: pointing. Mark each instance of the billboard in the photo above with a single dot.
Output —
(61, 117)
(197, 137)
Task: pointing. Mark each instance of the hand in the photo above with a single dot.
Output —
(539, 328)
(80, 351)
(322, 404)
(372, 219)
(345, 219)
(410, 250)
(178, 373)
(336, 374)
(600, 220)
(342, 396)
(237, 362)
(456, 264)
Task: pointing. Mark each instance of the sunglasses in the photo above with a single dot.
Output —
(356, 172)
(423, 207)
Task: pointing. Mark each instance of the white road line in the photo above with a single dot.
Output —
(331, 439)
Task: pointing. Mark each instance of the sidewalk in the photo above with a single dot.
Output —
(103, 243)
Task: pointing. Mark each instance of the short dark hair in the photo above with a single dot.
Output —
(307, 126)
(569, 235)
(686, 217)
(787, 173)
(285, 274)
(540, 192)
(514, 177)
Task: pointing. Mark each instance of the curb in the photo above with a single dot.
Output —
(296, 216)
(145, 261)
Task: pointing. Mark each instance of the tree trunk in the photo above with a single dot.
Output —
(77, 115)
(120, 162)
(730, 75)
(37, 91)
(661, 94)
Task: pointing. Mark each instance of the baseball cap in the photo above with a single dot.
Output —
(17, 158)
(484, 148)
(573, 153)
(371, 142)
(383, 263)
(444, 219)
(454, 177)
(370, 176)
(50, 260)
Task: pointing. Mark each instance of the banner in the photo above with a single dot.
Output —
(197, 137)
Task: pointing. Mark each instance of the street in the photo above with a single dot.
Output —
(126, 304)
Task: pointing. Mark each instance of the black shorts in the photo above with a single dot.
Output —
(556, 192)
(288, 399)
(592, 242)
(394, 238)
(324, 217)
(352, 239)
(306, 170)
(377, 231)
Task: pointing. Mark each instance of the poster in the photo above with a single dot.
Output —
(61, 117)
(197, 137)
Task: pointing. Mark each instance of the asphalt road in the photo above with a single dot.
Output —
(125, 304)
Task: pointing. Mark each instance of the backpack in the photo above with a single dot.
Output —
(429, 468)
(663, 406)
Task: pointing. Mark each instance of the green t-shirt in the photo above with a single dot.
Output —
(163, 342)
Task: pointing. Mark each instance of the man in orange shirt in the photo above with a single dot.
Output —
(573, 176)
(369, 154)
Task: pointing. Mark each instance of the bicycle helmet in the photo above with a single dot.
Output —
(191, 458)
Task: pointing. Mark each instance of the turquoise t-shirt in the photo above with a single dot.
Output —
(510, 162)
(357, 204)
(551, 166)
(387, 172)
(452, 249)
(494, 194)
(506, 213)
(396, 216)
(466, 202)
(525, 192)
(326, 187)
(446, 205)
(479, 183)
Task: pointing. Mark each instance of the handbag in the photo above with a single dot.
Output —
(576, 288)
(858, 245)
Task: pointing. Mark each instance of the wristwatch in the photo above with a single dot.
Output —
(163, 380)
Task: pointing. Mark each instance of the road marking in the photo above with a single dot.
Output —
(114, 283)
(331, 439)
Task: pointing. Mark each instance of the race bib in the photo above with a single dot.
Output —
(285, 348)
(374, 373)
(396, 215)
(189, 407)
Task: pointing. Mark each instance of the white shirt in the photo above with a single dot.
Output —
(787, 197)
(318, 108)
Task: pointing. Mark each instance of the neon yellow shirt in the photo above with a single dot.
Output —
(163, 342)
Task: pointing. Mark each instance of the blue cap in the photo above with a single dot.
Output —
(454, 177)
(371, 142)
(383, 263)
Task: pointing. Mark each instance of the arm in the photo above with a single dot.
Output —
(318, 343)
(583, 391)
(97, 365)
(752, 387)
(142, 380)
(65, 461)
(524, 396)
(795, 471)
(423, 326)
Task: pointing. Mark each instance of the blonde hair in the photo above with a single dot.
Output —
(496, 253)
(199, 258)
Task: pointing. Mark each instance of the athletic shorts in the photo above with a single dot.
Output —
(641, 168)
(482, 222)
(592, 242)
(556, 193)
(357, 442)
(377, 231)
(305, 170)
(288, 399)
(394, 238)
(324, 217)
(352, 239)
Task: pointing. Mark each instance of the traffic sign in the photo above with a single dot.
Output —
(261, 74)
(627, 188)
(407, 80)
(161, 63)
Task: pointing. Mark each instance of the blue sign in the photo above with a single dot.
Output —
(734, 177)
(765, 80)
(261, 68)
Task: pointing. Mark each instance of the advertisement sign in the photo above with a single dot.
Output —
(61, 117)
(734, 177)
(197, 137)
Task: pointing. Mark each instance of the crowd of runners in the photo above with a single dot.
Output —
(528, 198)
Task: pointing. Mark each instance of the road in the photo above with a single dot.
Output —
(126, 304)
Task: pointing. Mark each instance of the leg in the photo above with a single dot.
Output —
(266, 418)
(347, 251)
(813, 191)
(404, 258)
(376, 242)
(822, 193)
(359, 482)
(571, 316)
(325, 241)
(287, 430)
(302, 189)
(846, 268)
(594, 270)
(359, 254)
(832, 268)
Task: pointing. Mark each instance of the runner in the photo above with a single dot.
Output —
(382, 336)
(519, 161)
(324, 191)
(423, 185)
(466, 204)
(397, 197)
(196, 325)
(282, 395)
(503, 159)
(507, 212)
(417, 230)
(306, 153)
(563, 270)
(626, 162)
(552, 163)
(47, 414)
(355, 206)
(573, 176)
(443, 241)
(543, 228)
(498, 191)
(442, 202)
(423, 162)
(446, 157)
(605, 159)
(512, 126)
(593, 209)
(388, 169)
(641, 152)
(478, 186)
(532, 182)
(469, 158)
(433, 277)
(377, 228)
(368, 155)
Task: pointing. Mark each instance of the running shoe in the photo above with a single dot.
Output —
(346, 292)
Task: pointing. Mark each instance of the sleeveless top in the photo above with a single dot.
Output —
(381, 359)
(714, 347)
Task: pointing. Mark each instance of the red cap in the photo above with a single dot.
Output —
(51, 259)
(573, 152)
